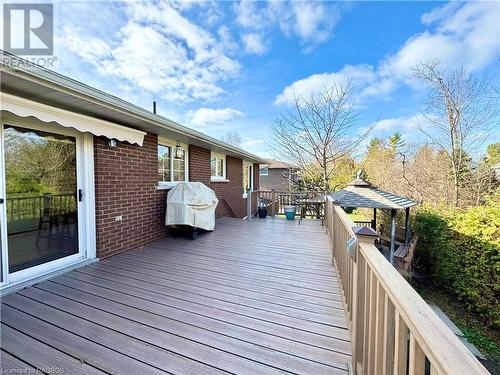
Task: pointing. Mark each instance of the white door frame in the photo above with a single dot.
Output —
(86, 208)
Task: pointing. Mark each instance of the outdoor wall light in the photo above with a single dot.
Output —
(112, 143)
(178, 150)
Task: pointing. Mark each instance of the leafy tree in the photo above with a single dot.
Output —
(396, 141)
(493, 154)
(36, 165)
(460, 250)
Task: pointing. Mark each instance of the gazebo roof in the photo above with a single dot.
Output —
(360, 193)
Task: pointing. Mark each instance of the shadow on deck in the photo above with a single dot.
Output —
(253, 297)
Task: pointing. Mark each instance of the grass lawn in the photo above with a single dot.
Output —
(487, 340)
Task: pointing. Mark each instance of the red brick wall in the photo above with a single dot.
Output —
(125, 185)
(229, 193)
(125, 179)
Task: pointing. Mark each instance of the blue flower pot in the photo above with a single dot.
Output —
(290, 212)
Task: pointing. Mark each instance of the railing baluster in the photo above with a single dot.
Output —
(372, 325)
(359, 314)
(366, 336)
(417, 357)
(379, 329)
(400, 346)
(389, 317)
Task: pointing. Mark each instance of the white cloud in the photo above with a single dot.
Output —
(253, 43)
(161, 51)
(89, 48)
(466, 35)
(311, 22)
(403, 123)
(440, 13)
(249, 16)
(252, 143)
(314, 84)
(213, 117)
(407, 126)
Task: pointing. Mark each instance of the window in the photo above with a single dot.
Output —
(171, 164)
(218, 167)
(179, 167)
(264, 171)
(164, 163)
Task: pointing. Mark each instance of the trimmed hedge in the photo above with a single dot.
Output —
(460, 250)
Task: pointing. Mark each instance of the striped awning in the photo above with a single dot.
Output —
(27, 108)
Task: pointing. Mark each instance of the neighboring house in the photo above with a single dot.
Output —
(87, 174)
(278, 175)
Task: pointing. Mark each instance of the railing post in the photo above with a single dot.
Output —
(364, 235)
(273, 202)
(249, 204)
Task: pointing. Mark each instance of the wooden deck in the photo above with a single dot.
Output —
(253, 297)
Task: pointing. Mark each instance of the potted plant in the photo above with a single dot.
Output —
(290, 212)
(262, 211)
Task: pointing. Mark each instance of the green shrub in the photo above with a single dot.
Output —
(459, 249)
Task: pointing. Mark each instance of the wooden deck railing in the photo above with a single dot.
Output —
(393, 330)
(25, 213)
(275, 201)
(360, 223)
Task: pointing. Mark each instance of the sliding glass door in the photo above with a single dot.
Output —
(40, 211)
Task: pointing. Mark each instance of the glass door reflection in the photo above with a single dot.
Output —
(41, 200)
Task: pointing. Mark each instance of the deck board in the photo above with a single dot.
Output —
(252, 297)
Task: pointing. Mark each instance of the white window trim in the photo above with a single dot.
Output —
(262, 169)
(172, 144)
(246, 165)
(222, 178)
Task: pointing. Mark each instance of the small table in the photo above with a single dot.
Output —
(311, 204)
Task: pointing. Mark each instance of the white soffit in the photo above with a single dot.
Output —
(27, 108)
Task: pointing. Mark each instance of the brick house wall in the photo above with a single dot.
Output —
(231, 202)
(125, 179)
(125, 185)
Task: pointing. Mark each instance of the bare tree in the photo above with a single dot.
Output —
(233, 138)
(319, 131)
(462, 112)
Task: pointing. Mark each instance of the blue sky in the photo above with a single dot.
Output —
(235, 66)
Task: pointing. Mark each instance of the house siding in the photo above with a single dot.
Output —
(125, 185)
(276, 179)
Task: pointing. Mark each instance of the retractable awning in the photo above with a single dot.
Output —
(27, 108)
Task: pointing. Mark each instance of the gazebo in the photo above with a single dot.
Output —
(361, 194)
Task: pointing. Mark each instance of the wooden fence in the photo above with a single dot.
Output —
(393, 330)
